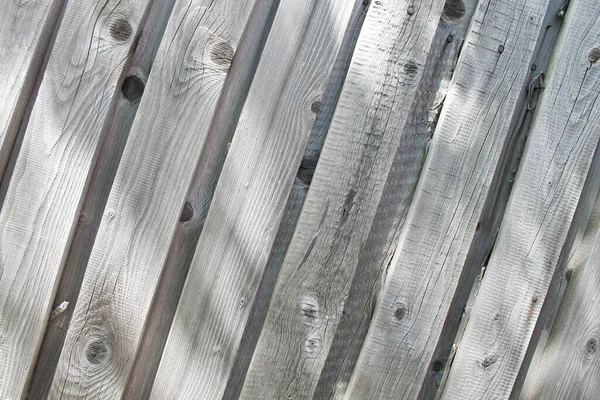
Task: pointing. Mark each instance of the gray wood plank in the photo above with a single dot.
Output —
(312, 288)
(41, 205)
(553, 195)
(25, 34)
(250, 198)
(448, 229)
(568, 365)
(167, 135)
(398, 192)
(198, 199)
(102, 173)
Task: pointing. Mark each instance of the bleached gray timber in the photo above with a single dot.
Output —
(568, 366)
(197, 203)
(447, 230)
(555, 188)
(102, 173)
(41, 206)
(377, 251)
(147, 195)
(25, 32)
(250, 198)
(309, 298)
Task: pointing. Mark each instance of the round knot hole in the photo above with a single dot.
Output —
(437, 366)
(500, 49)
(591, 346)
(411, 68)
(315, 106)
(454, 10)
(410, 10)
(133, 88)
(222, 54)
(187, 213)
(400, 313)
(96, 352)
(121, 30)
(594, 55)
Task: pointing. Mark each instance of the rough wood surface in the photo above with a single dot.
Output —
(26, 29)
(146, 199)
(102, 173)
(250, 198)
(554, 190)
(198, 199)
(308, 300)
(41, 205)
(568, 366)
(397, 195)
(448, 229)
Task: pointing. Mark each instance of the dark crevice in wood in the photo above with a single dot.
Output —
(20, 117)
(199, 196)
(109, 150)
(493, 211)
(324, 109)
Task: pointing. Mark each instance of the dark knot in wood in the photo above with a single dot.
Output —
(121, 30)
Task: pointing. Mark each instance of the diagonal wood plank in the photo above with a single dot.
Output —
(104, 166)
(42, 202)
(448, 226)
(25, 33)
(309, 298)
(554, 191)
(377, 252)
(168, 133)
(568, 365)
(250, 198)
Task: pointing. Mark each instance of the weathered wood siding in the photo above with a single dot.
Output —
(317, 199)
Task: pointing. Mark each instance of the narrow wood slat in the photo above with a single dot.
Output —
(42, 202)
(400, 185)
(250, 198)
(25, 32)
(198, 200)
(146, 199)
(102, 173)
(568, 365)
(447, 231)
(315, 278)
(554, 191)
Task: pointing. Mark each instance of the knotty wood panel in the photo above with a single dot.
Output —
(147, 196)
(250, 198)
(554, 191)
(447, 231)
(315, 277)
(41, 205)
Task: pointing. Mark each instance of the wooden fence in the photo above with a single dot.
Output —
(299, 199)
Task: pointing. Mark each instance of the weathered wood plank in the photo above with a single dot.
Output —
(250, 198)
(397, 195)
(448, 228)
(333, 228)
(42, 202)
(102, 173)
(25, 30)
(568, 365)
(145, 202)
(554, 191)
(198, 199)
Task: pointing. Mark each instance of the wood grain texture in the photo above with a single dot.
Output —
(315, 277)
(554, 190)
(568, 365)
(145, 202)
(250, 198)
(26, 29)
(448, 228)
(102, 173)
(42, 202)
(198, 199)
(377, 252)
